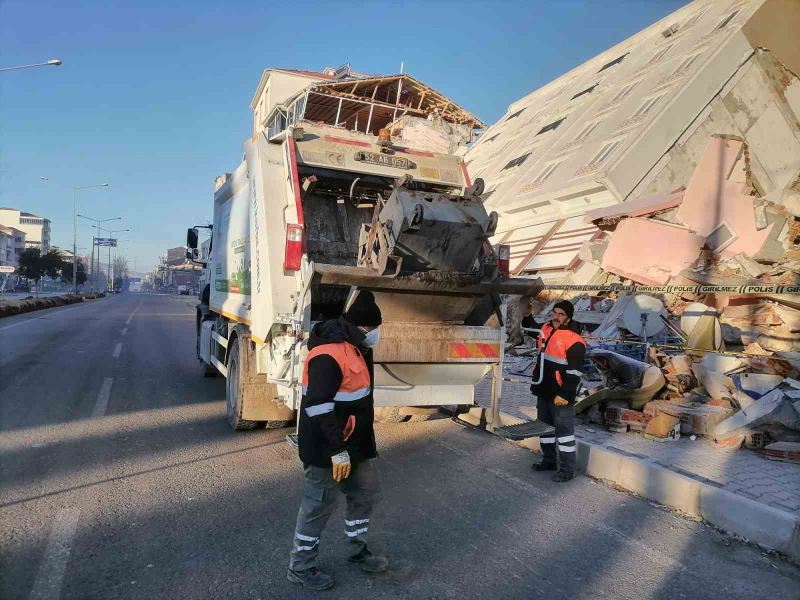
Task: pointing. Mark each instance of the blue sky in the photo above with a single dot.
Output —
(153, 97)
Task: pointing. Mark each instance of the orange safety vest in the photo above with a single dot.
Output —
(355, 374)
(557, 344)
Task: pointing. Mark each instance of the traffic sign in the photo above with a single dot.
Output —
(105, 242)
(6, 269)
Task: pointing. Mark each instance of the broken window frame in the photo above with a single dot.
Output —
(549, 169)
(551, 126)
(646, 106)
(614, 62)
(724, 23)
(588, 90)
(516, 161)
(605, 152)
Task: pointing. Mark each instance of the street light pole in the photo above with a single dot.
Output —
(75, 232)
(50, 63)
(98, 221)
(109, 232)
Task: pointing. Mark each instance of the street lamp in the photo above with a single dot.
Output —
(109, 232)
(75, 222)
(97, 221)
(54, 63)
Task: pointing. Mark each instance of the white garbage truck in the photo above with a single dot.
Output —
(331, 199)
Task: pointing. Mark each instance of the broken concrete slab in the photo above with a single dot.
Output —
(757, 384)
(650, 252)
(722, 363)
(637, 208)
(712, 202)
(774, 407)
(694, 417)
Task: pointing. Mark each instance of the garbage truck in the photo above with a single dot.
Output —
(324, 206)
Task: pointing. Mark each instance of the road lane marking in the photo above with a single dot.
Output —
(117, 350)
(50, 575)
(101, 405)
(130, 316)
(124, 331)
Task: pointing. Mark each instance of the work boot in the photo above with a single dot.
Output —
(562, 476)
(312, 578)
(543, 466)
(370, 563)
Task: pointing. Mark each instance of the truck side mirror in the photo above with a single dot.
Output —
(191, 238)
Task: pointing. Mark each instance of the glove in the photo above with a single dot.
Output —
(559, 401)
(341, 465)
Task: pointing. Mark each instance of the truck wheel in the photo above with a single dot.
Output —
(234, 391)
(389, 414)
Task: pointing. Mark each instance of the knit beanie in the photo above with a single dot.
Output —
(566, 306)
(363, 311)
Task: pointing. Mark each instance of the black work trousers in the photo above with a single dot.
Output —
(558, 449)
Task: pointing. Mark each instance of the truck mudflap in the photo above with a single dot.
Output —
(438, 283)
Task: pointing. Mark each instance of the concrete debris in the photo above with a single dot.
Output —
(722, 363)
(663, 427)
(785, 451)
(757, 384)
(774, 407)
(632, 253)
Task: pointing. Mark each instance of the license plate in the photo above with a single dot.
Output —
(383, 160)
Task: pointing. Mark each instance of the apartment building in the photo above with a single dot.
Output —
(634, 120)
(36, 228)
(12, 243)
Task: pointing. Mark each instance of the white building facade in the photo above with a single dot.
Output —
(12, 243)
(36, 228)
(633, 121)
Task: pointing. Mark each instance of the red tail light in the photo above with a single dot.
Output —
(503, 259)
(293, 253)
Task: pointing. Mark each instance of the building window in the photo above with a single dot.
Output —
(685, 64)
(586, 91)
(548, 170)
(623, 93)
(727, 20)
(646, 107)
(660, 54)
(516, 162)
(552, 126)
(616, 61)
(516, 114)
(693, 19)
(493, 138)
(605, 152)
(587, 131)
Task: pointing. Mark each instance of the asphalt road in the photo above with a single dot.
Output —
(121, 479)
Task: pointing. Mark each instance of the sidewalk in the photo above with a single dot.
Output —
(738, 491)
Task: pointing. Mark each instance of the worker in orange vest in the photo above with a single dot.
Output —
(337, 440)
(558, 371)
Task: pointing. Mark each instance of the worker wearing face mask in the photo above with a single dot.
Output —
(337, 440)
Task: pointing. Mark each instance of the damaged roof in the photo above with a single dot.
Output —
(415, 98)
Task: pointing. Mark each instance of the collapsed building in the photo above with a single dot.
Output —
(673, 159)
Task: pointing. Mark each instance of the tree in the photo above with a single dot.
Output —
(30, 266)
(66, 272)
(120, 270)
(52, 263)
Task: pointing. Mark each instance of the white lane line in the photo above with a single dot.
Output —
(50, 575)
(117, 350)
(130, 316)
(124, 331)
(38, 317)
(101, 405)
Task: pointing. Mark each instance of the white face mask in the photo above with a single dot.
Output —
(371, 338)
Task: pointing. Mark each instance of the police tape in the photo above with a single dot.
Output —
(680, 347)
(678, 289)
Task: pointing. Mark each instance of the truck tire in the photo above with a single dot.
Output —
(234, 391)
(389, 414)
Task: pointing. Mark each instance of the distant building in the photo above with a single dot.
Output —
(634, 120)
(36, 228)
(176, 256)
(12, 243)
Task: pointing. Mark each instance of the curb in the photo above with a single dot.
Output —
(758, 523)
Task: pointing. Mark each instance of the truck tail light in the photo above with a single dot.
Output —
(293, 253)
(503, 258)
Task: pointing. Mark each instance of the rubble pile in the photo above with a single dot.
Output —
(733, 371)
